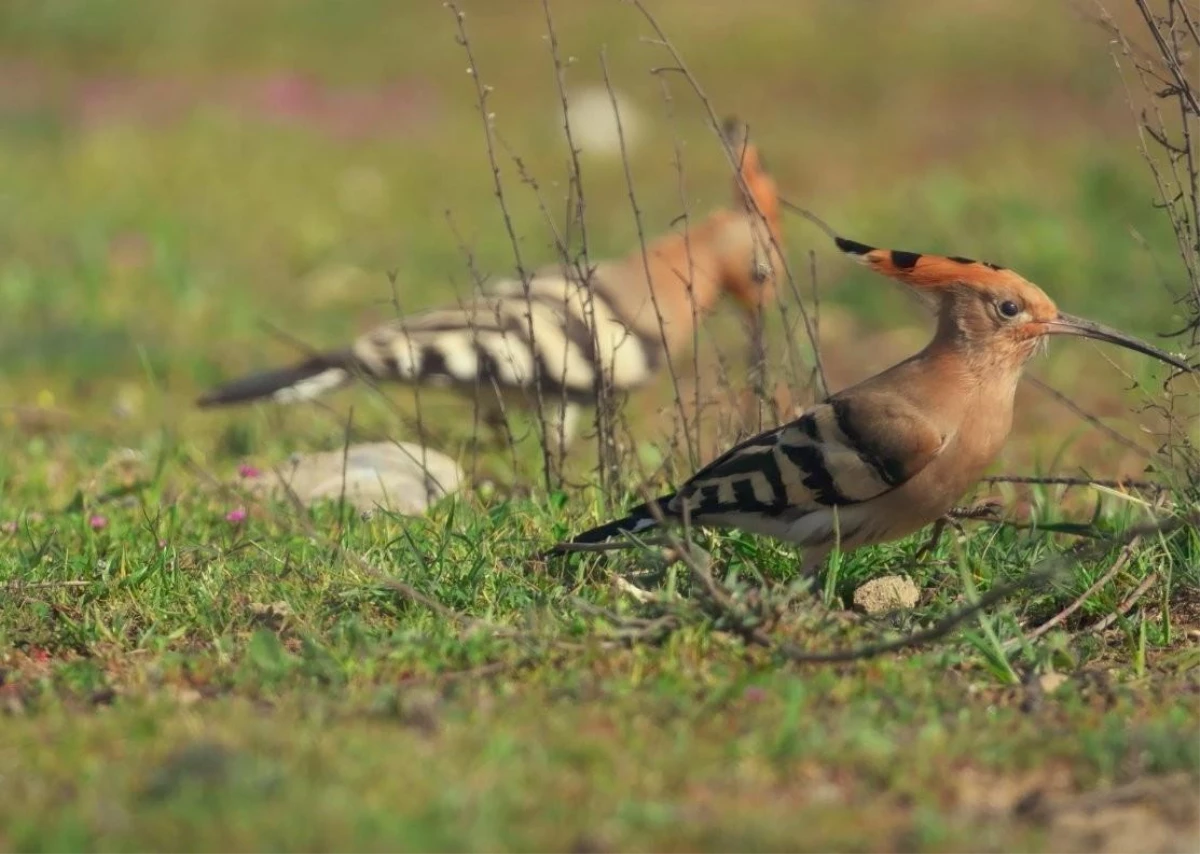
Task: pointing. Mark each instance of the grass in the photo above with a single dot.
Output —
(172, 677)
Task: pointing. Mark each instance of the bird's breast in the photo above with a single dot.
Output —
(938, 487)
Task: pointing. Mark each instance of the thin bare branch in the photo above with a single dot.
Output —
(1053, 480)
(1062, 616)
(1126, 604)
(482, 93)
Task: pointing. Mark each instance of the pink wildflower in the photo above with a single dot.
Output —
(96, 522)
(236, 516)
(755, 694)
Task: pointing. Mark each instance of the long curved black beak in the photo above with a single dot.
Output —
(1066, 324)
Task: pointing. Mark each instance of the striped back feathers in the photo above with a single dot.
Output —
(562, 335)
(832, 456)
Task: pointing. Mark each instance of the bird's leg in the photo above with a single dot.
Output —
(492, 417)
(561, 421)
(988, 508)
(939, 527)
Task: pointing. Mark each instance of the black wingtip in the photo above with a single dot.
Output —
(640, 518)
(262, 386)
(224, 395)
(227, 395)
(852, 247)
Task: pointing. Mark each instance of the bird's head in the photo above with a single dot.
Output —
(990, 311)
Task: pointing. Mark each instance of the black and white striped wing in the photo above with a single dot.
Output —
(556, 333)
(839, 453)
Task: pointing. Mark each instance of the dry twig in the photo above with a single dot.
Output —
(1061, 617)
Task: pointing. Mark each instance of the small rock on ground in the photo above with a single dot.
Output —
(398, 476)
(887, 593)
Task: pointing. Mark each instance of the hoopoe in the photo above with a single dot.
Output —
(894, 453)
(560, 335)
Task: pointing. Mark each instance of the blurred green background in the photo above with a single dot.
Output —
(172, 175)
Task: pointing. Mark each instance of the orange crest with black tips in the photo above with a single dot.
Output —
(929, 271)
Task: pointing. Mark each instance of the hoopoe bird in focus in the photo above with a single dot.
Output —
(562, 336)
(894, 453)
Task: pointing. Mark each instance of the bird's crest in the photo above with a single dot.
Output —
(928, 272)
(755, 179)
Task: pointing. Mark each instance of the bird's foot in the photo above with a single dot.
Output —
(988, 508)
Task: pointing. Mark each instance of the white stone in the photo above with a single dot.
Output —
(887, 593)
(399, 476)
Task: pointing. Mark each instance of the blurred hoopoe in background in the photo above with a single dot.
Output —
(894, 453)
(561, 336)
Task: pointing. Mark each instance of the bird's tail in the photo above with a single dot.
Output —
(642, 518)
(305, 381)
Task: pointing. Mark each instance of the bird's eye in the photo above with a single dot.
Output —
(1008, 308)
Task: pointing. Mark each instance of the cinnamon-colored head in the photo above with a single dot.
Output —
(986, 308)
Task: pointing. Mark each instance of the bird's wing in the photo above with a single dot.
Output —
(841, 452)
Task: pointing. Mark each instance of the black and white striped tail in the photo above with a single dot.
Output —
(640, 519)
(305, 381)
